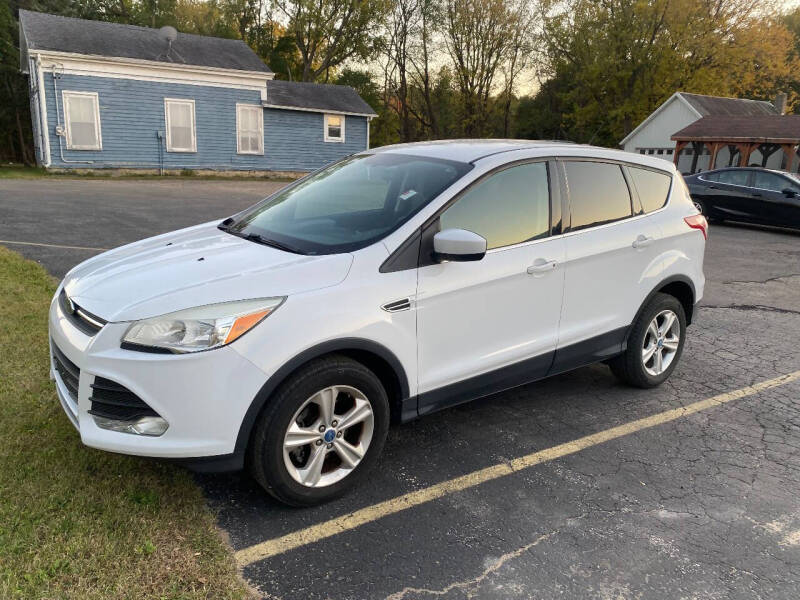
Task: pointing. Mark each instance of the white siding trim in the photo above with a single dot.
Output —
(260, 110)
(170, 148)
(143, 70)
(66, 95)
(339, 139)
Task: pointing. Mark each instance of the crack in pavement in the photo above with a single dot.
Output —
(753, 307)
(475, 582)
(761, 281)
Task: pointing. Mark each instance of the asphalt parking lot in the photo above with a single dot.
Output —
(668, 498)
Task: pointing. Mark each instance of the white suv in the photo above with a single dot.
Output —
(386, 286)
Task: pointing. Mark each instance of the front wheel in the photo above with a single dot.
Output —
(321, 432)
(655, 344)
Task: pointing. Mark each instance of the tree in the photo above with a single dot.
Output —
(479, 36)
(329, 32)
(615, 61)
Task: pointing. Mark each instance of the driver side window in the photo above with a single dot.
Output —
(509, 207)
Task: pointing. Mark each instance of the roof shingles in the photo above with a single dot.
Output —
(99, 38)
(765, 128)
(317, 97)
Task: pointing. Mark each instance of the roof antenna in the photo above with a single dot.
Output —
(169, 34)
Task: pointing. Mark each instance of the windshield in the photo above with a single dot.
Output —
(348, 205)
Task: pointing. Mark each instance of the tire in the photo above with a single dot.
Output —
(632, 366)
(343, 385)
(703, 208)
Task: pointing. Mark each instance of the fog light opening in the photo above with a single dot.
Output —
(150, 426)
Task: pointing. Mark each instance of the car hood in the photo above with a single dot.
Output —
(194, 267)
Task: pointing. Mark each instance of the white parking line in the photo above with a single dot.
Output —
(53, 246)
(321, 531)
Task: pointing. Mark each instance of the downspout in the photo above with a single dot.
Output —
(369, 120)
(43, 113)
(59, 127)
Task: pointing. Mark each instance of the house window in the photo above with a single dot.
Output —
(179, 115)
(334, 128)
(249, 129)
(82, 116)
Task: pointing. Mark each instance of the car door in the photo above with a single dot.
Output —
(777, 196)
(735, 195)
(491, 324)
(612, 262)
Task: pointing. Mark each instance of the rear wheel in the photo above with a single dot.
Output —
(321, 432)
(703, 208)
(655, 343)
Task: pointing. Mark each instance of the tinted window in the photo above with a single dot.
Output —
(509, 207)
(770, 181)
(710, 176)
(597, 192)
(653, 187)
(350, 204)
(734, 177)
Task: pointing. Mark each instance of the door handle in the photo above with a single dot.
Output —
(541, 266)
(757, 195)
(642, 241)
(713, 187)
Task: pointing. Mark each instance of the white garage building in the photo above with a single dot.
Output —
(653, 135)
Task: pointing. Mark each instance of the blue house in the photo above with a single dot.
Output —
(106, 95)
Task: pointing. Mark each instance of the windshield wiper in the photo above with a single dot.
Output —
(260, 239)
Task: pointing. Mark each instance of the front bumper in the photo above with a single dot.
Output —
(203, 396)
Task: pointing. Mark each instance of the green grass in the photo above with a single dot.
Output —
(15, 171)
(77, 522)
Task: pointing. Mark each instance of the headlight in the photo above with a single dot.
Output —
(201, 328)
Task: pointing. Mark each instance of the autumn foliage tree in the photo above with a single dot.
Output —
(610, 63)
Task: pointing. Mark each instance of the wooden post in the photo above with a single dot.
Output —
(744, 153)
(679, 146)
(697, 148)
(788, 157)
(714, 149)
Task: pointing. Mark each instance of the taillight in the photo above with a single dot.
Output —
(698, 222)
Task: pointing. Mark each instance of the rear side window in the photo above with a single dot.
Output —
(734, 177)
(509, 207)
(597, 193)
(710, 176)
(652, 187)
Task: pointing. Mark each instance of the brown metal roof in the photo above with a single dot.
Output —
(777, 129)
(709, 106)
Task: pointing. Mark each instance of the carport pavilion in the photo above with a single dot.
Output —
(739, 137)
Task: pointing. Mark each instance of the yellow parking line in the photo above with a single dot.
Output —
(52, 245)
(321, 531)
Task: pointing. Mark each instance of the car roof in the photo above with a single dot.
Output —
(764, 169)
(471, 151)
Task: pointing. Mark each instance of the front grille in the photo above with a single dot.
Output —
(81, 318)
(114, 401)
(69, 372)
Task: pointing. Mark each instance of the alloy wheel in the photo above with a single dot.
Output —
(328, 436)
(661, 342)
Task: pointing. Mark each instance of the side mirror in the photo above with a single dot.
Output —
(789, 193)
(458, 245)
